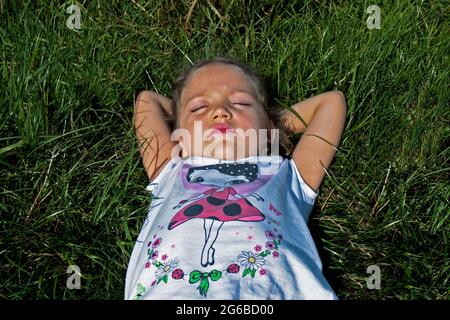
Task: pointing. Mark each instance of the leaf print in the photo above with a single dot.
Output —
(140, 290)
(264, 253)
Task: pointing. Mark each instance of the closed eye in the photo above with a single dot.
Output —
(198, 108)
(242, 104)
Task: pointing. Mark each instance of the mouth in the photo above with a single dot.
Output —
(221, 129)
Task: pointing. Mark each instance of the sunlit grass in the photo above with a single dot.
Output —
(72, 181)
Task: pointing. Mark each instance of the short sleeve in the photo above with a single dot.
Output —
(153, 185)
(310, 194)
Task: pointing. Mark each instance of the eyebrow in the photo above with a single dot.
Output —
(233, 91)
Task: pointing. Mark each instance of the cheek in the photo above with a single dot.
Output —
(252, 120)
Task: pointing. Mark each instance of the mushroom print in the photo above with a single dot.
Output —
(219, 204)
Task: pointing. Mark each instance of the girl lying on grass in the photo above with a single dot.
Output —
(228, 215)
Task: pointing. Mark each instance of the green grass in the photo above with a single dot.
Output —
(72, 181)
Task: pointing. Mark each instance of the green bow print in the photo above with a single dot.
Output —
(196, 276)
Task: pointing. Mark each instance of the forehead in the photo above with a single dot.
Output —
(217, 76)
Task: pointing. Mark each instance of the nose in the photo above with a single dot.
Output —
(221, 112)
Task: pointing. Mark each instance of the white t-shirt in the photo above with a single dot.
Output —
(225, 229)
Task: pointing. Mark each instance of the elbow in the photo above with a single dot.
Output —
(337, 98)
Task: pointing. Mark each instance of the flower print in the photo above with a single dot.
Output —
(156, 243)
(258, 248)
(164, 257)
(270, 245)
(147, 265)
(262, 271)
(164, 269)
(270, 234)
(250, 237)
(251, 260)
(153, 282)
(272, 208)
(154, 255)
(275, 254)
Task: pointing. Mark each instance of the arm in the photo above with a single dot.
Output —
(153, 132)
(323, 123)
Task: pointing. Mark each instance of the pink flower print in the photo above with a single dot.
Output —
(258, 248)
(154, 255)
(164, 257)
(153, 282)
(250, 237)
(148, 265)
(156, 243)
(270, 234)
(262, 271)
(270, 245)
(272, 208)
(275, 254)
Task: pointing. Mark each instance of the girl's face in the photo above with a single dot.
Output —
(221, 95)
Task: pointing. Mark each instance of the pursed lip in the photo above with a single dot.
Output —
(222, 127)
